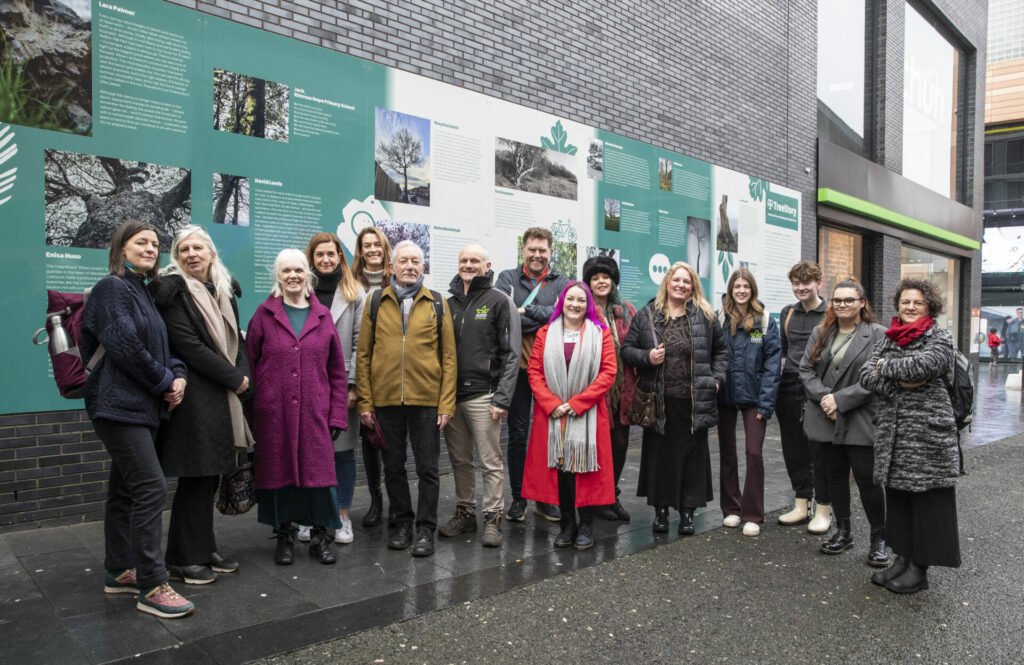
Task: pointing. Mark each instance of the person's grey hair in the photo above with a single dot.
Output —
(220, 277)
(287, 256)
(477, 247)
(406, 244)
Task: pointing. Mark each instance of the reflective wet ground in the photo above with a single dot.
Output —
(53, 610)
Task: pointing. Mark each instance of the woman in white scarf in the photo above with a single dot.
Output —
(568, 459)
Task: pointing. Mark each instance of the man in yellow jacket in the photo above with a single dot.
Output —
(406, 369)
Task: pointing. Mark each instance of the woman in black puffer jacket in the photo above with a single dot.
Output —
(677, 345)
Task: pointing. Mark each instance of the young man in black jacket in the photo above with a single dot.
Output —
(534, 288)
(487, 343)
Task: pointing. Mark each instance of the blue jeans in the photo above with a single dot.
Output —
(345, 469)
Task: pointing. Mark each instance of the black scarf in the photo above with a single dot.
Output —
(326, 285)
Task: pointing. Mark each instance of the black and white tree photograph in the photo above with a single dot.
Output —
(46, 64)
(609, 252)
(402, 158)
(595, 160)
(396, 232)
(230, 199)
(698, 245)
(531, 168)
(250, 106)
(88, 197)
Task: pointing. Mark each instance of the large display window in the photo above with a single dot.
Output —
(840, 255)
(942, 271)
(841, 51)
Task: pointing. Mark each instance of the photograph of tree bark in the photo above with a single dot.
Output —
(88, 196)
(249, 106)
(230, 199)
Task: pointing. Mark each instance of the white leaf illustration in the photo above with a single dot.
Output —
(8, 149)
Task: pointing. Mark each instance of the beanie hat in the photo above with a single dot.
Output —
(596, 264)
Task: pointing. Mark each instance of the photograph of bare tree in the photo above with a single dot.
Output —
(250, 106)
(612, 214)
(530, 168)
(46, 64)
(402, 158)
(230, 199)
(396, 232)
(88, 196)
(698, 245)
(664, 174)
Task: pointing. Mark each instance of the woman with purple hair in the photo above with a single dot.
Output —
(569, 458)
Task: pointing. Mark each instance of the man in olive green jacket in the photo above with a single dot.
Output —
(406, 369)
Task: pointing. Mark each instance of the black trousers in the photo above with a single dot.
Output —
(414, 426)
(136, 494)
(567, 500)
(190, 539)
(519, 433)
(840, 460)
(808, 478)
(922, 526)
(620, 446)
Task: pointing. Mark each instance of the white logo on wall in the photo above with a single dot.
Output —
(8, 149)
(356, 216)
(658, 266)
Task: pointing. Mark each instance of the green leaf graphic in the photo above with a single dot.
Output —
(725, 263)
(757, 188)
(559, 141)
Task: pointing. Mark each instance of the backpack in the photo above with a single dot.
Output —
(438, 316)
(961, 390)
(63, 329)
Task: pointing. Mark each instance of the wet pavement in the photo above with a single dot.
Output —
(52, 609)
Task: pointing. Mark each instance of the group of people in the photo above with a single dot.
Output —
(339, 358)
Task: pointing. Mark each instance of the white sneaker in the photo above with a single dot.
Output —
(751, 529)
(731, 521)
(304, 533)
(344, 534)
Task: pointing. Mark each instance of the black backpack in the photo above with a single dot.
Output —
(961, 390)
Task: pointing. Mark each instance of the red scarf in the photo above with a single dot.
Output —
(905, 333)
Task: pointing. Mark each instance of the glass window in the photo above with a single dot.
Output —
(840, 255)
(841, 53)
(1014, 194)
(930, 104)
(988, 159)
(1014, 156)
(942, 271)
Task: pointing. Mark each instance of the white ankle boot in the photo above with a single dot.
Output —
(822, 520)
(800, 513)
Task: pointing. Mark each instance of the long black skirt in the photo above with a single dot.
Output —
(922, 526)
(675, 468)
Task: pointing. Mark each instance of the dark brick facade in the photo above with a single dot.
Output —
(729, 82)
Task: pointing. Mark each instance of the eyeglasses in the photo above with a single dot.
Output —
(915, 303)
(845, 302)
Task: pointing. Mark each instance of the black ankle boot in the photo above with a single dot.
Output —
(882, 577)
(373, 515)
(320, 545)
(284, 555)
(660, 523)
(567, 536)
(841, 540)
(877, 554)
(686, 527)
(585, 535)
(913, 579)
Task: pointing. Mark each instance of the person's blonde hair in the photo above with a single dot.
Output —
(696, 292)
(220, 277)
(291, 254)
(348, 284)
(755, 310)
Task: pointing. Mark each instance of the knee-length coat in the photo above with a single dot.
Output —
(540, 483)
(300, 393)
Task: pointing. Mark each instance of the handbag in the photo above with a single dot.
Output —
(643, 409)
(237, 492)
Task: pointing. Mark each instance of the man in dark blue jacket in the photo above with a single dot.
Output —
(487, 345)
(534, 288)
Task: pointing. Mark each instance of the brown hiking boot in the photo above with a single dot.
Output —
(463, 521)
(492, 530)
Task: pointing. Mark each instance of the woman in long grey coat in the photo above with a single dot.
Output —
(916, 455)
(337, 289)
(197, 299)
(839, 413)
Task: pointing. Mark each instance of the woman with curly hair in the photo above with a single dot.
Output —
(916, 456)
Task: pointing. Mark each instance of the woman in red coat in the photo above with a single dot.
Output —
(569, 458)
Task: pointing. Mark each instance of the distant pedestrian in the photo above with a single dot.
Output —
(994, 342)
(916, 452)
(1015, 335)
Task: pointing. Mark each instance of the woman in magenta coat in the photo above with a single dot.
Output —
(569, 456)
(300, 406)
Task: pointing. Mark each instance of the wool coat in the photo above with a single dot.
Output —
(540, 483)
(198, 440)
(855, 419)
(300, 392)
(915, 431)
(709, 362)
(347, 317)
